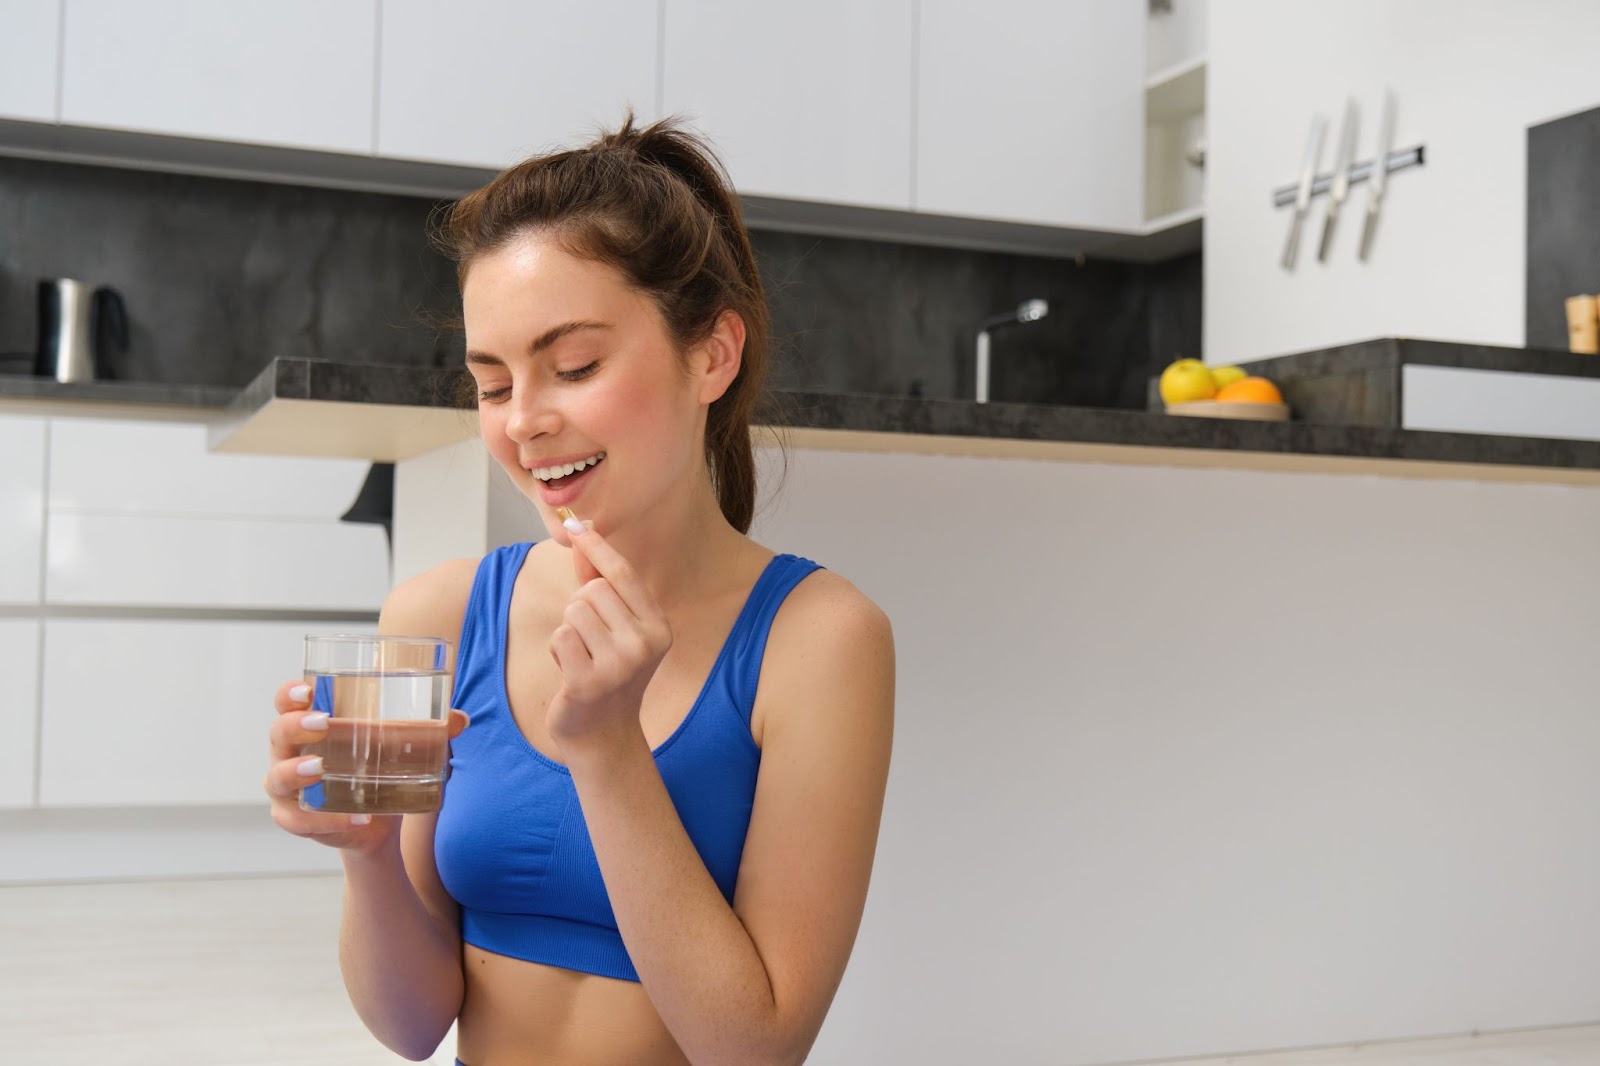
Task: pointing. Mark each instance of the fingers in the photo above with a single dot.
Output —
(602, 598)
(581, 617)
(287, 777)
(292, 696)
(302, 823)
(609, 564)
(284, 781)
(296, 724)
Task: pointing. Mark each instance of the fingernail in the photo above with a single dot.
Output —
(300, 694)
(316, 721)
(309, 767)
(570, 520)
(360, 819)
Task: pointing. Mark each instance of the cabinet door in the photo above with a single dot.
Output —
(285, 72)
(19, 711)
(162, 712)
(1032, 111)
(29, 50)
(488, 83)
(101, 464)
(144, 561)
(22, 444)
(803, 101)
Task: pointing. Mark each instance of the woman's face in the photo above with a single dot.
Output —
(582, 399)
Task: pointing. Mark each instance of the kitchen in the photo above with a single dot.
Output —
(1294, 758)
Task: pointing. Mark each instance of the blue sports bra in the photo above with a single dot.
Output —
(511, 844)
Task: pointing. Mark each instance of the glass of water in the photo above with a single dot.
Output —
(386, 745)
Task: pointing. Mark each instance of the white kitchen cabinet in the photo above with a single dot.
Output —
(803, 101)
(157, 712)
(19, 710)
(22, 473)
(144, 561)
(140, 515)
(1032, 111)
(297, 73)
(490, 82)
(29, 47)
(108, 465)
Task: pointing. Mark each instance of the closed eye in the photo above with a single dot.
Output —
(580, 373)
(493, 394)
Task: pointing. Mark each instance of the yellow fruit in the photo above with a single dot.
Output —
(1186, 380)
(1226, 375)
(1251, 390)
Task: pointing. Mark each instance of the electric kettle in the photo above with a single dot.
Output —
(80, 328)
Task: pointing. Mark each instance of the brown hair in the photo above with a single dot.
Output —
(656, 204)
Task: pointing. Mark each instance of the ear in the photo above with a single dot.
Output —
(721, 357)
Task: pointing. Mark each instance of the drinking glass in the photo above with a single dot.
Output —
(386, 744)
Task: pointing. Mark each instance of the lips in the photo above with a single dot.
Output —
(561, 491)
(563, 467)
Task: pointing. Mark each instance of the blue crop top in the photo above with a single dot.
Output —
(511, 844)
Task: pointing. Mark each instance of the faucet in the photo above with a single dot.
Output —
(1027, 311)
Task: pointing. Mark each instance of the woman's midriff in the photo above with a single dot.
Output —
(519, 1013)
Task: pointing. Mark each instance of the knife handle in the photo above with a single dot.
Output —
(1291, 249)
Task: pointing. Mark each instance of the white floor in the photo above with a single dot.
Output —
(244, 972)
(239, 972)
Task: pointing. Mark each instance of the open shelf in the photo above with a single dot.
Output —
(1177, 92)
(1174, 126)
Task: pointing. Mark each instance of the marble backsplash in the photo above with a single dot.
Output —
(220, 276)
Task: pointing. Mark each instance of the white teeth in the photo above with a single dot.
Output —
(550, 473)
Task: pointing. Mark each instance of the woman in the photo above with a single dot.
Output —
(658, 830)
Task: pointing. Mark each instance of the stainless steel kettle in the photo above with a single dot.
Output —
(80, 328)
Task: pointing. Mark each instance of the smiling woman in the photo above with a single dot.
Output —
(657, 834)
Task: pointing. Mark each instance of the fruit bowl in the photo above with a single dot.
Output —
(1260, 412)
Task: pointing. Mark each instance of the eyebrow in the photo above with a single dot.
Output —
(541, 342)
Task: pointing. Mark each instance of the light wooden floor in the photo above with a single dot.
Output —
(179, 973)
(244, 972)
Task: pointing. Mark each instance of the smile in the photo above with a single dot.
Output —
(552, 473)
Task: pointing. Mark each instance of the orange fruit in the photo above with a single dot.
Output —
(1250, 390)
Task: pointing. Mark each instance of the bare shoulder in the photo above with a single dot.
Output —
(432, 604)
(828, 637)
(825, 611)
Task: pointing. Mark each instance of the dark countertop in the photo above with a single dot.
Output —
(28, 394)
(299, 406)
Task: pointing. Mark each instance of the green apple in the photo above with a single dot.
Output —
(1227, 375)
(1186, 380)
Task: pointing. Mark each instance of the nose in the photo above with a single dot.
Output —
(531, 415)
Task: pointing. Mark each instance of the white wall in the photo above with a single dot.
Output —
(1193, 761)
(1469, 76)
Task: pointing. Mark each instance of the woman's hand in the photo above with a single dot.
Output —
(612, 638)
(296, 726)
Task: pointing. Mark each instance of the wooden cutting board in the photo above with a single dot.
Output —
(1260, 412)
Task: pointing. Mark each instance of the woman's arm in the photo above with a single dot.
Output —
(400, 939)
(750, 985)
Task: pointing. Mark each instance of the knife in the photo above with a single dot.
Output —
(1380, 174)
(1302, 200)
(1341, 178)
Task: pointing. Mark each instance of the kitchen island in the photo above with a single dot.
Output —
(306, 407)
(1254, 757)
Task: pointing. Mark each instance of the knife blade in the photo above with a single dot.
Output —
(1380, 174)
(1302, 199)
(1341, 178)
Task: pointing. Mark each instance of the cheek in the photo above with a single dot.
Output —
(633, 407)
(492, 430)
